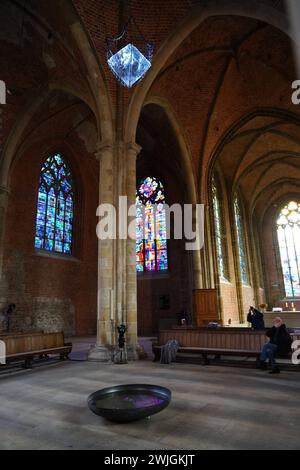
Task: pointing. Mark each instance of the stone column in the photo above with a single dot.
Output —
(103, 349)
(197, 268)
(3, 209)
(132, 151)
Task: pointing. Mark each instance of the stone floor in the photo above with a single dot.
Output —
(211, 408)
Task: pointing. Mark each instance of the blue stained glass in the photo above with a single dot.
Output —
(54, 220)
(38, 242)
(129, 65)
(151, 231)
(67, 248)
(220, 231)
(244, 269)
(162, 260)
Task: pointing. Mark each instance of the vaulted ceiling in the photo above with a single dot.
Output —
(228, 83)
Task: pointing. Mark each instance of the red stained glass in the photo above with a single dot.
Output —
(151, 231)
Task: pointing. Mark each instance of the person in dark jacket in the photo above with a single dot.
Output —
(256, 318)
(279, 345)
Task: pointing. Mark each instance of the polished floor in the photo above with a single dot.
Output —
(211, 408)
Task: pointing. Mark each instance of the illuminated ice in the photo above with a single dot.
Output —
(129, 65)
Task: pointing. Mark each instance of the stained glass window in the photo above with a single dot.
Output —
(288, 232)
(220, 231)
(239, 222)
(151, 231)
(55, 207)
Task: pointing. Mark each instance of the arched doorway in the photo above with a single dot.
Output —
(163, 289)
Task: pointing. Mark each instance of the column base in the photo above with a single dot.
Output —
(128, 354)
(100, 354)
(116, 355)
(120, 355)
(132, 352)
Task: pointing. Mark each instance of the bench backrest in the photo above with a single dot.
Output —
(9, 335)
(245, 340)
(32, 342)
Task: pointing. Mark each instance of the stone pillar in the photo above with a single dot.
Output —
(132, 151)
(117, 284)
(3, 209)
(103, 349)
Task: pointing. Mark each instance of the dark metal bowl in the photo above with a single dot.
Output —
(124, 403)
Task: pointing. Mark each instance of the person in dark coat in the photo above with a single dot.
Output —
(279, 345)
(256, 318)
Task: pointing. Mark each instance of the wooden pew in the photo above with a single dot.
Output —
(218, 343)
(25, 347)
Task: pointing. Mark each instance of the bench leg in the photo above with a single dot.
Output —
(43, 356)
(63, 356)
(156, 356)
(27, 363)
(257, 362)
(205, 359)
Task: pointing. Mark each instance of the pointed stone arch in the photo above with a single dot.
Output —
(189, 173)
(248, 8)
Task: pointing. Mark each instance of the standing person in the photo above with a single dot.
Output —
(256, 318)
(279, 345)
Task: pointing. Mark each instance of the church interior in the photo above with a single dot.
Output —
(204, 116)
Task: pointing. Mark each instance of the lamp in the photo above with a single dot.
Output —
(128, 62)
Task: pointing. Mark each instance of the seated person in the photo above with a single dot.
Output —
(256, 318)
(182, 321)
(279, 344)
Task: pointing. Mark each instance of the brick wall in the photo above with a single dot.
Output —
(229, 303)
(51, 292)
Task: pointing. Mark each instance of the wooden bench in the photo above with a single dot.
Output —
(25, 347)
(217, 343)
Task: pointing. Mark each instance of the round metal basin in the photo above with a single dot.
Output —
(125, 403)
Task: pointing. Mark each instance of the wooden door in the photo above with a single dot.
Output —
(205, 306)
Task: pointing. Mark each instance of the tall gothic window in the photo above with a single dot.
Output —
(288, 232)
(151, 231)
(55, 207)
(241, 239)
(220, 231)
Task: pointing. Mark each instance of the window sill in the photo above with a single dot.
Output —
(56, 256)
(225, 281)
(291, 299)
(153, 276)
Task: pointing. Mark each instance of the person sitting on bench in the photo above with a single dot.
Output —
(256, 318)
(279, 345)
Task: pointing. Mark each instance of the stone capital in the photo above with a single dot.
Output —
(4, 193)
(133, 149)
(103, 148)
(4, 190)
